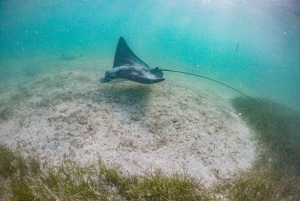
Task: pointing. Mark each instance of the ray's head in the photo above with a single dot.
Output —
(111, 76)
(107, 78)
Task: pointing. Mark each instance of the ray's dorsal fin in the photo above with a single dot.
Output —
(125, 57)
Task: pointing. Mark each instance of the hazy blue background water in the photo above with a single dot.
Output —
(200, 35)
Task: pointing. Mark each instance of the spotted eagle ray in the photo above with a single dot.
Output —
(127, 66)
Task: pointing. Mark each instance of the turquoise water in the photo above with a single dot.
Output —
(196, 36)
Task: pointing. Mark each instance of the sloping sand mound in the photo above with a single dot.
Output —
(168, 125)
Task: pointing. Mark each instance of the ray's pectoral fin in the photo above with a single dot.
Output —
(125, 57)
(127, 66)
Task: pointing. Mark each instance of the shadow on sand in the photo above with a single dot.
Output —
(128, 98)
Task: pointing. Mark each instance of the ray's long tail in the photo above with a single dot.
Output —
(175, 71)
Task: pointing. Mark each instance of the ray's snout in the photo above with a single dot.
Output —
(102, 80)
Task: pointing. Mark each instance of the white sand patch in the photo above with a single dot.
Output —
(173, 125)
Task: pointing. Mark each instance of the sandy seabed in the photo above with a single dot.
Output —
(175, 125)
